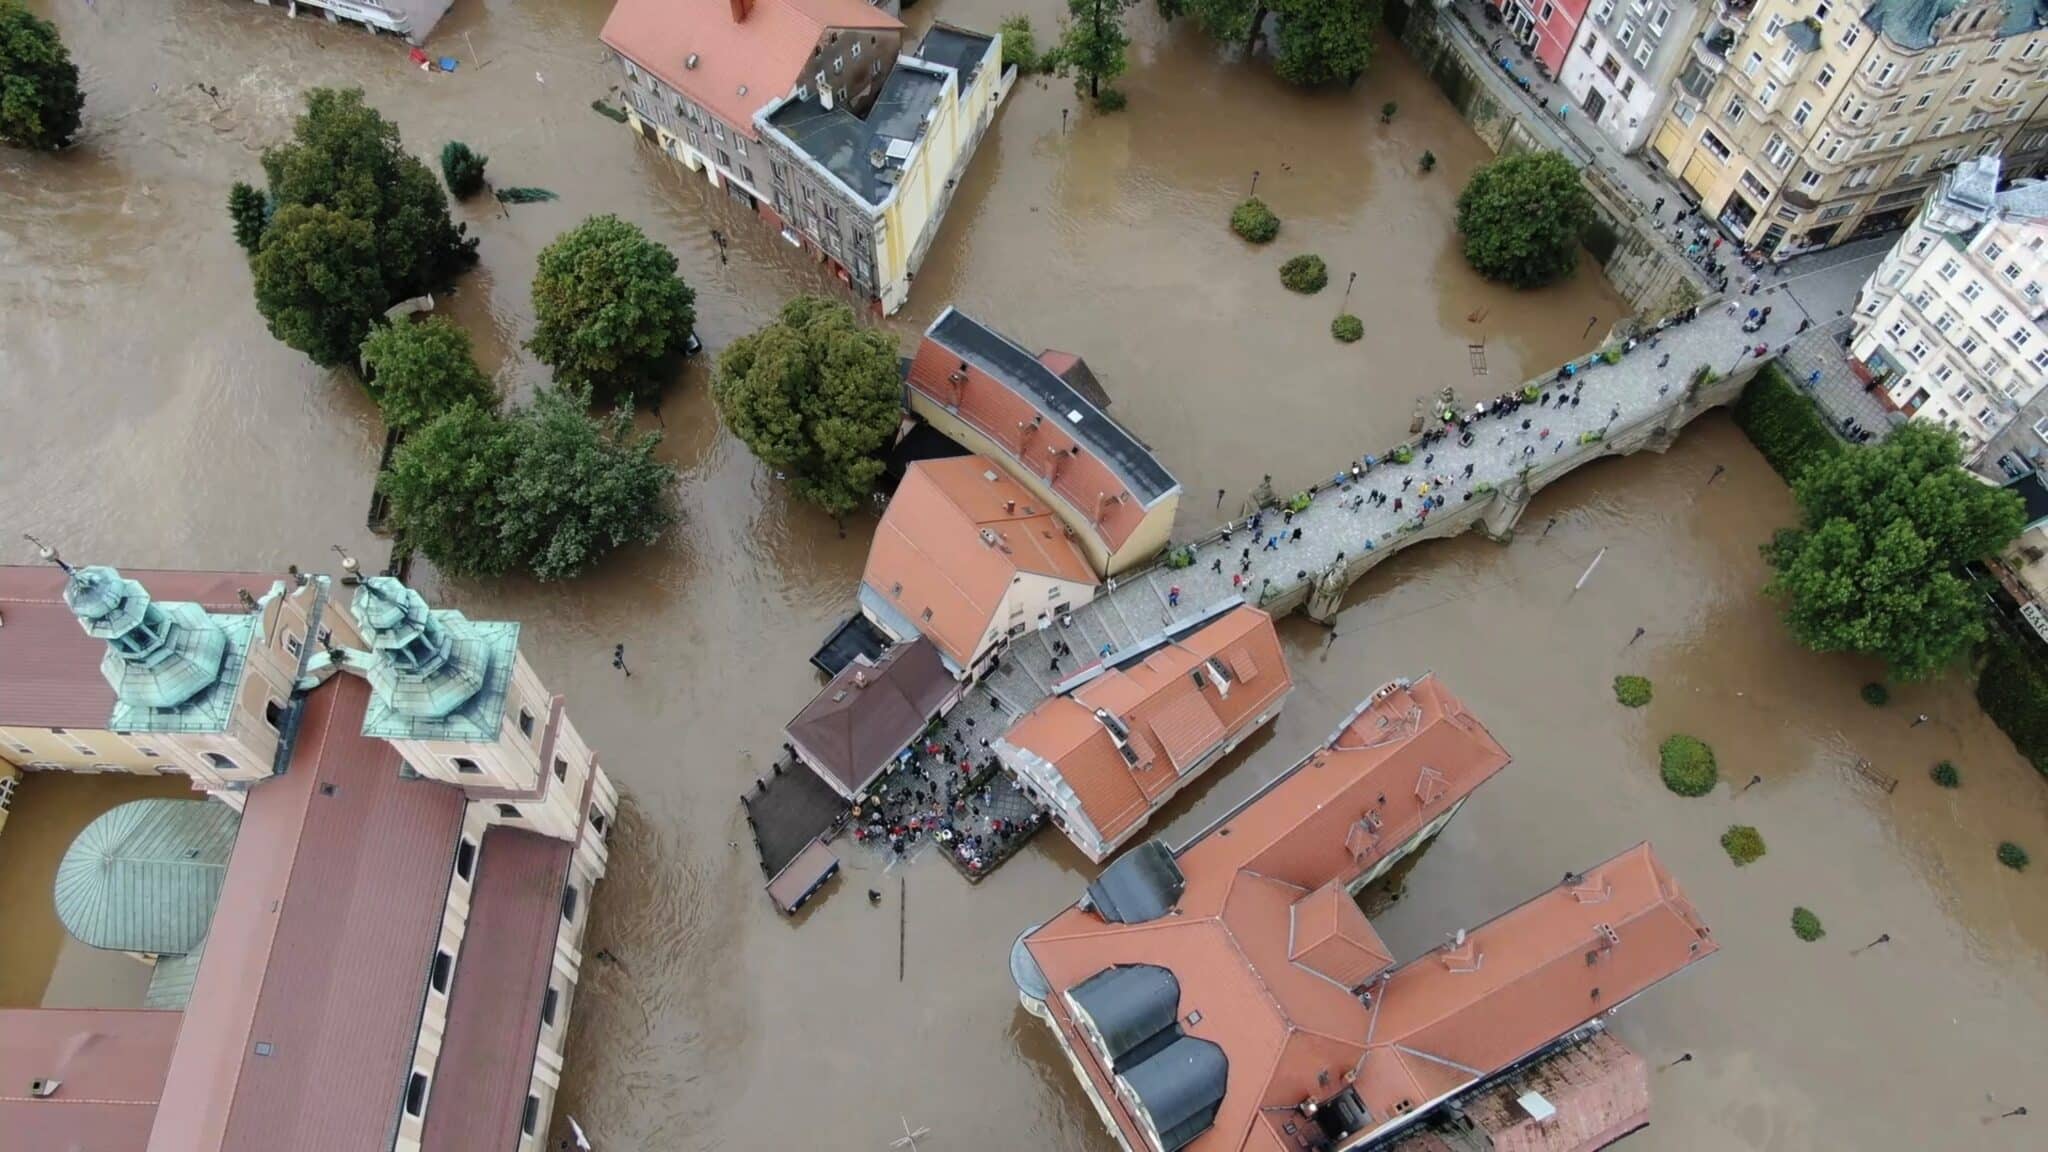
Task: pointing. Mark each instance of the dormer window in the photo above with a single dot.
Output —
(465, 765)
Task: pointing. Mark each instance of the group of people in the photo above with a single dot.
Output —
(933, 793)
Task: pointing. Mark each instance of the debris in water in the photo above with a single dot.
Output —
(525, 195)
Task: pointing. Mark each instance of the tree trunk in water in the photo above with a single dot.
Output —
(1094, 77)
(1251, 41)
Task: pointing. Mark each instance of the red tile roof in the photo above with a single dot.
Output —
(486, 1063)
(954, 538)
(1172, 722)
(319, 950)
(1291, 1029)
(50, 669)
(111, 1064)
(739, 66)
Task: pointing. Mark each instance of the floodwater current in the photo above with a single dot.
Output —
(147, 419)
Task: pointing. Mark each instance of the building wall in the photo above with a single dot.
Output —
(1797, 150)
(1627, 54)
(1955, 319)
(1546, 26)
(1155, 526)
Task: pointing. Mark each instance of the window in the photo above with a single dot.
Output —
(1885, 74)
(1660, 18)
(1926, 66)
(823, 84)
(1949, 61)
(1911, 166)
(1712, 143)
(465, 765)
(291, 643)
(2019, 338)
(1968, 86)
(561, 769)
(2010, 271)
(1997, 316)
(1810, 181)
(217, 761)
(1787, 57)
(1861, 176)
(1973, 121)
(569, 897)
(1938, 127)
(444, 967)
(273, 715)
(1850, 35)
(530, 1118)
(416, 1094)
(1624, 36)
(465, 858)
(1768, 94)
(1825, 76)
(1735, 111)
(1772, 27)
(598, 822)
(1643, 52)
(1897, 331)
(547, 1007)
(1969, 344)
(1802, 113)
(1948, 269)
(1754, 62)
(856, 50)
(1972, 290)
(1896, 105)
(508, 812)
(1754, 186)
(718, 130)
(1918, 351)
(1899, 137)
(526, 723)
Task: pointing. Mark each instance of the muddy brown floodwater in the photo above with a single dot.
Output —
(148, 419)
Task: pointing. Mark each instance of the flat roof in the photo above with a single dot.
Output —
(1027, 375)
(956, 48)
(859, 150)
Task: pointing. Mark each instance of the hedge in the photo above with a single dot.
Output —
(1687, 765)
(1783, 423)
(2013, 691)
(1632, 691)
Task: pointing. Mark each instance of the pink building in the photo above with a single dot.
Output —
(1546, 27)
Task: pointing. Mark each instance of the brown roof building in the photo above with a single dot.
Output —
(870, 712)
(968, 558)
(1121, 739)
(1231, 996)
(402, 906)
(1033, 415)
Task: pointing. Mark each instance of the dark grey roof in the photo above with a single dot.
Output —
(871, 711)
(1803, 36)
(1142, 884)
(1181, 1088)
(2033, 492)
(857, 150)
(956, 48)
(1134, 1008)
(996, 355)
(855, 636)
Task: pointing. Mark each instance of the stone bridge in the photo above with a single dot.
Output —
(1639, 402)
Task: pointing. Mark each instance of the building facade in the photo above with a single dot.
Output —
(1950, 324)
(1625, 62)
(1545, 28)
(1801, 124)
(420, 827)
(795, 109)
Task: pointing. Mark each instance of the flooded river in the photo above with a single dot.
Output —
(149, 419)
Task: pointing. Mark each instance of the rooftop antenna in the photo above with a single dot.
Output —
(47, 554)
(909, 1138)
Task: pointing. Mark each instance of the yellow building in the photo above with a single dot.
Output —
(1801, 124)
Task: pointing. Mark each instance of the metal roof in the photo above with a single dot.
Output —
(434, 674)
(145, 876)
(1131, 1006)
(1142, 884)
(1181, 1089)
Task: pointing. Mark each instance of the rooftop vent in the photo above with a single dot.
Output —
(44, 1089)
(875, 158)
(690, 61)
(1536, 1106)
(1074, 416)
(743, 90)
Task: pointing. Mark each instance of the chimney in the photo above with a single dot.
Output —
(740, 8)
(1010, 506)
(860, 676)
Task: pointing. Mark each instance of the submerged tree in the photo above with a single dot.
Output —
(418, 370)
(250, 212)
(39, 98)
(1521, 217)
(317, 284)
(1314, 41)
(817, 397)
(1093, 42)
(609, 309)
(1872, 566)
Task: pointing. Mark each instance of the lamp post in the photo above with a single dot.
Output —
(1255, 182)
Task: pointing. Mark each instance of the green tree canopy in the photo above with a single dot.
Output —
(316, 282)
(463, 168)
(611, 310)
(1324, 41)
(548, 488)
(250, 212)
(1093, 42)
(1521, 217)
(1871, 567)
(344, 155)
(817, 397)
(39, 97)
(420, 370)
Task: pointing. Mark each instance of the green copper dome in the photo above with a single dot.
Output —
(434, 675)
(172, 666)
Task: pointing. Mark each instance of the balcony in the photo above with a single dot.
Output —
(1711, 49)
(1797, 199)
(1735, 13)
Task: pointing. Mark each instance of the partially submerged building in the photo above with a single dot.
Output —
(1034, 416)
(808, 113)
(1119, 740)
(1231, 995)
(970, 559)
(387, 956)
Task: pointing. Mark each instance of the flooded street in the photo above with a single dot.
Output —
(150, 420)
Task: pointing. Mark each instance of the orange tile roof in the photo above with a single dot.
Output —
(1154, 695)
(955, 536)
(1247, 940)
(740, 66)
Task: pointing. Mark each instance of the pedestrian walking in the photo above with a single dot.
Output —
(1272, 544)
(1657, 207)
(1297, 536)
(1173, 593)
(1918, 720)
(1664, 361)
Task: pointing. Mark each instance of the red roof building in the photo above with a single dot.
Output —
(1122, 739)
(1231, 996)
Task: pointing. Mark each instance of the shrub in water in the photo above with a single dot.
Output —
(2012, 856)
(1742, 843)
(1633, 691)
(1305, 274)
(1255, 222)
(1945, 774)
(1876, 695)
(463, 168)
(1688, 765)
(1347, 328)
(1806, 925)
(1111, 100)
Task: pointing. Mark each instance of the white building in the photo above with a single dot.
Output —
(1624, 63)
(1951, 322)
